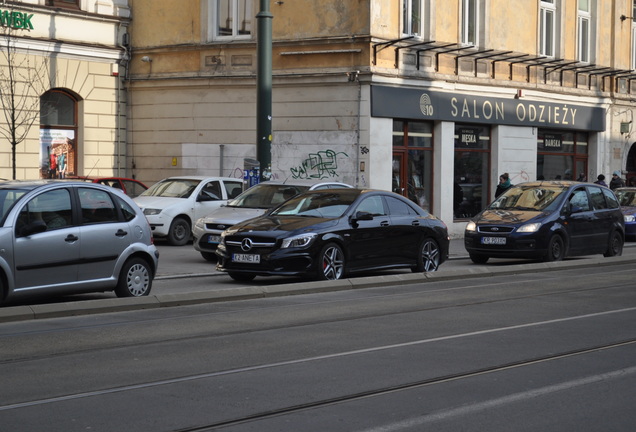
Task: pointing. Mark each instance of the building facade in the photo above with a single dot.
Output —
(432, 99)
(63, 96)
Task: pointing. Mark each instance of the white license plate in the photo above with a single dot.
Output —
(246, 258)
(493, 240)
(214, 239)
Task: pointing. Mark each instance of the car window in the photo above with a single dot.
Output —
(8, 198)
(612, 201)
(233, 189)
(372, 205)
(97, 206)
(212, 190)
(597, 198)
(175, 188)
(399, 208)
(126, 209)
(133, 189)
(51, 207)
(578, 199)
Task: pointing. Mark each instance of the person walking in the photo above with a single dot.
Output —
(504, 184)
(616, 181)
(600, 180)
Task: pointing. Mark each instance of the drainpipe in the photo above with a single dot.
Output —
(264, 91)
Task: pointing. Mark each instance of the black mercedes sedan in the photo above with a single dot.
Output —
(333, 233)
(547, 220)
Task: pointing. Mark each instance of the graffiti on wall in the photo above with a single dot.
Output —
(321, 165)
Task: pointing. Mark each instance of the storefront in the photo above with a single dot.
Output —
(528, 139)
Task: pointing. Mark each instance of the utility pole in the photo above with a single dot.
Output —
(264, 91)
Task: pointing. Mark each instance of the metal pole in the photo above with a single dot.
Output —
(264, 91)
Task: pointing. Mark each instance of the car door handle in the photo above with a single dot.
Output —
(121, 233)
(71, 238)
(415, 223)
(384, 223)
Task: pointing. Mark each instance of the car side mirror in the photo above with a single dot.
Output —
(362, 215)
(575, 209)
(34, 227)
(205, 196)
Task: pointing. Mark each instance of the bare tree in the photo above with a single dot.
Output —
(23, 78)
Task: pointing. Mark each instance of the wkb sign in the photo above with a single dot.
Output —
(16, 20)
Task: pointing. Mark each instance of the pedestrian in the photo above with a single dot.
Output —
(600, 180)
(504, 184)
(617, 181)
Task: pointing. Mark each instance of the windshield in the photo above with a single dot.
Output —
(324, 205)
(532, 198)
(8, 198)
(176, 188)
(627, 198)
(266, 196)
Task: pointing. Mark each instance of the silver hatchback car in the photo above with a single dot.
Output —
(60, 237)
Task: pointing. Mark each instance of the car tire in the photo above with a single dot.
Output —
(331, 262)
(615, 246)
(428, 258)
(180, 232)
(479, 258)
(556, 249)
(135, 279)
(209, 256)
(242, 277)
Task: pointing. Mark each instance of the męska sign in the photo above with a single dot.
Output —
(422, 104)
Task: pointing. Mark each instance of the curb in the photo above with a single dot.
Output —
(92, 307)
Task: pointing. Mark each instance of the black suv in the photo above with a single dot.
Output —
(547, 220)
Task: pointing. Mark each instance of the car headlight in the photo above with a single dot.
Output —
(471, 227)
(151, 211)
(199, 224)
(630, 218)
(529, 228)
(302, 240)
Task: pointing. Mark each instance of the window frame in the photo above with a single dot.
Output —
(68, 4)
(547, 42)
(468, 19)
(214, 33)
(584, 38)
(633, 34)
(408, 23)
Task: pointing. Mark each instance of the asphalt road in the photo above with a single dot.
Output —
(515, 351)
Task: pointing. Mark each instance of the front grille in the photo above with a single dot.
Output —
(494, 229)
(217, 226)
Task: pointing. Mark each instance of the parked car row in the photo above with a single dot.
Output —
(64, 237)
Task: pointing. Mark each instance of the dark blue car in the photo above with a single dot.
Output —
(547, 220)
(627, 199)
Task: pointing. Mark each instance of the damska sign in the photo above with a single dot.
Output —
(16, 20)
(422, 104)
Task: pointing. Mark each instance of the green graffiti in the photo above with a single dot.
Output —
(321, 165)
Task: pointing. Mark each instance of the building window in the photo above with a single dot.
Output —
(58, 134)
(470, 22)
(73, 4)
(472, 167)
(231, 19)
(634, 34)
(413, 161)
(562, 155)
(547, 31)
(584, 31)
(412, 17)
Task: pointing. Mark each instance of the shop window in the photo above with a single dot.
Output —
(472, 166)
(413, 161)
(562, 155)
(230, 19)
(58, 134)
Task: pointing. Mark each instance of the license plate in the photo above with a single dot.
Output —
(246, 258)
(493, 240)
(214, 239)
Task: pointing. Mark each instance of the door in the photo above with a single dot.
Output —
(51, 257)
(399, 180)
